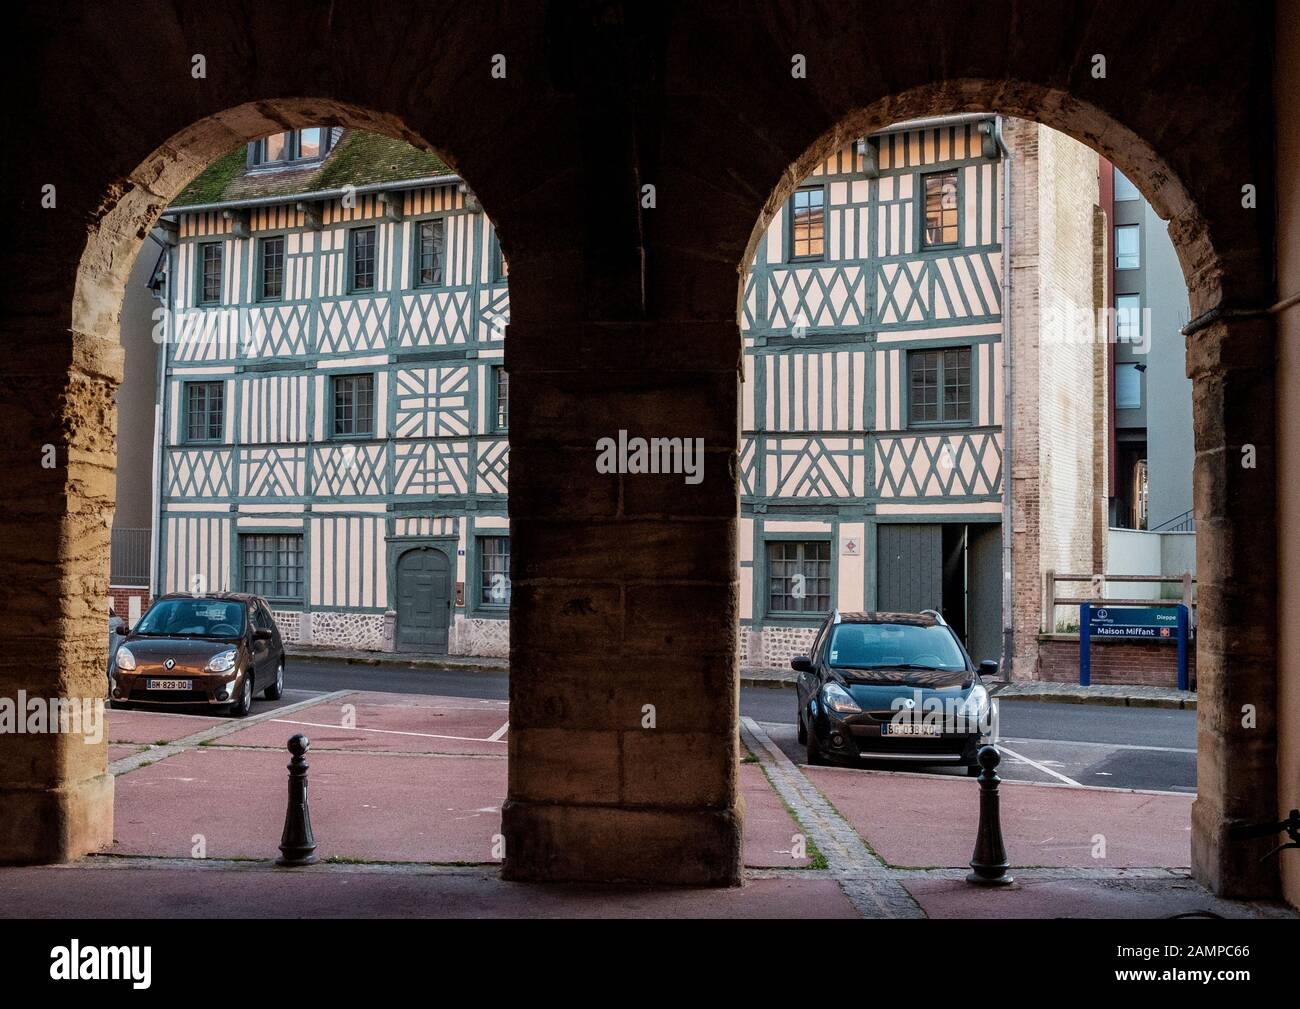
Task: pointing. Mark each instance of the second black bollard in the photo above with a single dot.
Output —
(297, 845)
(989, 863)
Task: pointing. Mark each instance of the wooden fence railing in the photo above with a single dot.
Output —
(1097, 592)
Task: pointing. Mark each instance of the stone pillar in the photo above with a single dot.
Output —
(624, 684)
(56, 800)
(1231, 363)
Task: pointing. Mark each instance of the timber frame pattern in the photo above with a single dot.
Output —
(625, 590)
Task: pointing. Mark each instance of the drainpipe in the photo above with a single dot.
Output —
(1008, 596)
(168, 301)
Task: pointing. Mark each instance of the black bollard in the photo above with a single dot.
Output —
(297, 845)
(989, 863)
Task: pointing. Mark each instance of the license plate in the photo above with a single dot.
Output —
(911, 729)
(171, 685)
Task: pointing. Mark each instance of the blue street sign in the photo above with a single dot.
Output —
(1155, 623)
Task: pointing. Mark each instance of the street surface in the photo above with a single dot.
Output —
(1082, 744)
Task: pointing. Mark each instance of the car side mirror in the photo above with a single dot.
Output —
(988, 668)
(262, 634)
(801, 664)
(122, 628)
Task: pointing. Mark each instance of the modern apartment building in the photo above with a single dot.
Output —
(1151, 424)
(335, 410)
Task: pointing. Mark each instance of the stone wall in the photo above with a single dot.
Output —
(480, 636)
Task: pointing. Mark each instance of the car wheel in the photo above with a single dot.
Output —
(972, 770)
(276, 690)
(814, 751)
(803, 729)
(241, 707)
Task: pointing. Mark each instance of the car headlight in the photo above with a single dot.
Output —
(222, 662)
(975, 707)
(838, 699)
(125, 660)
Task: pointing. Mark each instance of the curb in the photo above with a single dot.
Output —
(397, 661)
(1011, 693)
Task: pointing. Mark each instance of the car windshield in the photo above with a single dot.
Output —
(193, 618)
(895, 646)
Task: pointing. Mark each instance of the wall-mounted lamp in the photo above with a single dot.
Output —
(870, 162)
(471, 201)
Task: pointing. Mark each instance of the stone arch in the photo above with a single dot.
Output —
(1236, 771)
(76, 816)
(1203, 267)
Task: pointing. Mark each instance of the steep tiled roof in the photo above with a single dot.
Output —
(358, 159)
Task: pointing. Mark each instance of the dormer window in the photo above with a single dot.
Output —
(292, 147)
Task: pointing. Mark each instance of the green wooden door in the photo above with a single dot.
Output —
(423, 600)
(909, 567)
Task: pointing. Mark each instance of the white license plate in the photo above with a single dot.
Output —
(171, 685)
(911, 729)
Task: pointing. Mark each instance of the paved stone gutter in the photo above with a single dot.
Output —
(1109, 694)
(399, 660)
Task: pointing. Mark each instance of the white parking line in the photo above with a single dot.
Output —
(1035, 764)
(1106, 746)
(495, 738)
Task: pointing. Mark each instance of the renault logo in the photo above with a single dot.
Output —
(169, 664)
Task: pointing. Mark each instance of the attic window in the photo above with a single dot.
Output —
(289, 148)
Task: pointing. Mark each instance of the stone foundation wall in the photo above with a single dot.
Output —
(776, 646)
(332, 629)
(479, 636)
(290, 624)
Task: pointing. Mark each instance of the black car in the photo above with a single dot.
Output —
(216, 649)
(892, 687)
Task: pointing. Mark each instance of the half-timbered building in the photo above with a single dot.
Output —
(336, 411)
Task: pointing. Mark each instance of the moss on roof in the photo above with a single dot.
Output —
(213, 180)
(359, 159)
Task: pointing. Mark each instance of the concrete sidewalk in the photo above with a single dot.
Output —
(406, 792)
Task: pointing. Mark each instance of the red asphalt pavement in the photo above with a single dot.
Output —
(402, 778)
(916, 821)
(352, 892)
(140, 726)
(418, 779)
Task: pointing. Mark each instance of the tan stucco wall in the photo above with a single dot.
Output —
(1288, 421)
(136, 397)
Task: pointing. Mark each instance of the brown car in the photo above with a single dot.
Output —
(214, 649)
